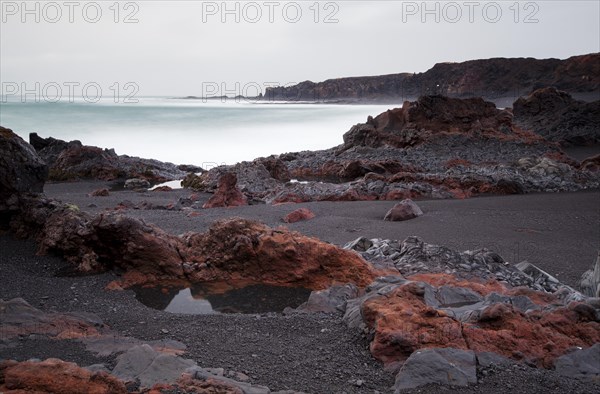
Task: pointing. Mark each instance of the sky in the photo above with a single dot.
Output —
(180, 48)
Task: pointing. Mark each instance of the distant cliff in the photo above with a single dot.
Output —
(488, 78)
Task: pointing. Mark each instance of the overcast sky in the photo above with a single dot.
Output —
(172, 48)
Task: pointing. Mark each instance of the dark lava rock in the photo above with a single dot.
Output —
(582, 364)
(448, 366)
(558, 117)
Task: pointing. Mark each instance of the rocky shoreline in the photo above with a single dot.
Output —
(384, 314)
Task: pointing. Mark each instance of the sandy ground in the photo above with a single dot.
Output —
(558, 232)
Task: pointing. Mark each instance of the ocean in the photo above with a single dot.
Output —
(185, 131)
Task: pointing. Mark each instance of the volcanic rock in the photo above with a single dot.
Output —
(21, 169)
(492, 78)
(298, 215)
(136, 183)
(100, 193)
(149, 366)
(227, 193)
(404, 210)
(590, 280)
(447, 366)
(558, 117)
(581, 363)
(55, 376)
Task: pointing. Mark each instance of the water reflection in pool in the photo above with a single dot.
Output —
(198, 299)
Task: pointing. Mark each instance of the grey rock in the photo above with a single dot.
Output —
(590, 280)
(247, 388)
(450, 296)
(446, 366)
(360, 244)
(332, 299)
(149, 366)
(405, 210)
(582, 364)
(488, 359)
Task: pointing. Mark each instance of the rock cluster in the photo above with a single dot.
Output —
(72, 161)
(559, 117)
(435, 147)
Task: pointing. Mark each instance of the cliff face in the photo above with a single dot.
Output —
(488, 78)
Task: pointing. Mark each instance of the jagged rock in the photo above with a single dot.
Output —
(227, 193)
(407, 316)
(149, 366)
(298, 215)
(404, 210)
(558, 117)
(136, 183)
(21, 169)
(55, 376)
(581, 364)
(72, 161)
(360, 244)
(591, 164)
(590, 280)
(447, 366)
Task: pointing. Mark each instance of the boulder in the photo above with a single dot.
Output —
(444, 366)
(21, 169)
(150, 367)
(581, 364)
(227, 193)
(298, 215)
(330, 300)
(405, 210)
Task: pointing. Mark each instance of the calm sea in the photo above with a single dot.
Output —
(189, 131)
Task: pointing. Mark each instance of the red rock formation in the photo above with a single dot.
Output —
(299, 215)
(403, 322)
(227, 194)
(242, 250)
(100, 193)
(55, 376)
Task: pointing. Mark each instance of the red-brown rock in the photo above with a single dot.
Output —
(100, 193)
(227, 194)
(55, 376)
(298, 215)
(403, 322)
(405, 210)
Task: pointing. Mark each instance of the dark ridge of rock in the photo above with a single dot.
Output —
(558, 117)
(489, 78)
(21, 169)
(69, 161)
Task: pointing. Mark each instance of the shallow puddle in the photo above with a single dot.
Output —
(197, 300)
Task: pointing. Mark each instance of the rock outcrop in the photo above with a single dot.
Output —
(69, 161)
(299, 215)
(558, 117)
(489, 78)
(590, 280)
(227, 193)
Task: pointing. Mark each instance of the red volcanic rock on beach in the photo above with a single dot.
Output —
(299, 215)
(411, 317)
(55, 376)
(436, 116)
(239, 249)
(227, 193)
